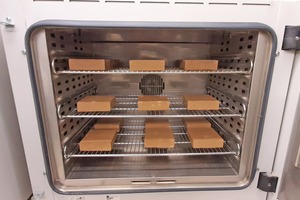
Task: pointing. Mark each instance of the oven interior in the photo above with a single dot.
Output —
(243, 56)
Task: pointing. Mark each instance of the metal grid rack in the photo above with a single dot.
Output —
(126, 107)
(126, 70)
(130, 143)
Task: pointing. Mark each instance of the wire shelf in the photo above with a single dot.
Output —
(126, 70)
(130, 143)
(127, 107)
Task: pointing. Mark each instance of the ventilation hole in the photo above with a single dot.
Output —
(77, 122)
(249, 46)
(231, 125)
(222, 43)
(229, 86)
(246, 61)
(84, 83)
(67, 89)
(241, 39)
(73, 79)
(246, 69)
(76, 48)
(72, 127)
(92, 79)
(228, 42)
(250, 37)
(238, 123)
(237, 68)
(88, 81)
(240, 47)
(231, 118)
(238, 131)
(218, 83)
(240, 111)
(80, 42)
(227, 104)
(64, 126)
(70, 108)
(62, 113)
(75, 40)
(223, 84)
(221, 50)
(58, 83)
(59, 92)
(78, 78)
(214, 81)
(67, 81)
(236, 81)
(79, 84)
(225, 120)
(74, 86)
(65, 133)
(62, 46)
(65, 68)
(233, 107)
(238, 60)
(224, 78)
(229, 79)
(244, 83)
(71, 120)
(52, 35)
(210, 80)
(81, 49)
(226, 49)
(53, 44)
(243, 91)
(235, 88)
(62, 37)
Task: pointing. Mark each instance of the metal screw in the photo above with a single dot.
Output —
(23, 51)
(277, 53)
(297, 38)
(8, 19)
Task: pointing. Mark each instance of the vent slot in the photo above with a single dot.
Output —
(189, 2)
(155, 2)
(84, 0)
(119, 1)
(223, 3)
(256, 4)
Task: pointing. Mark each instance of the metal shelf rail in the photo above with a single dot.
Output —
(130, 143)
(126, 70)
(126, 107)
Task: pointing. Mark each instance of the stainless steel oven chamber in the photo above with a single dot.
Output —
(245, 53)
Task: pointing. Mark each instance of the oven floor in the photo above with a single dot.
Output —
(161, 166)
